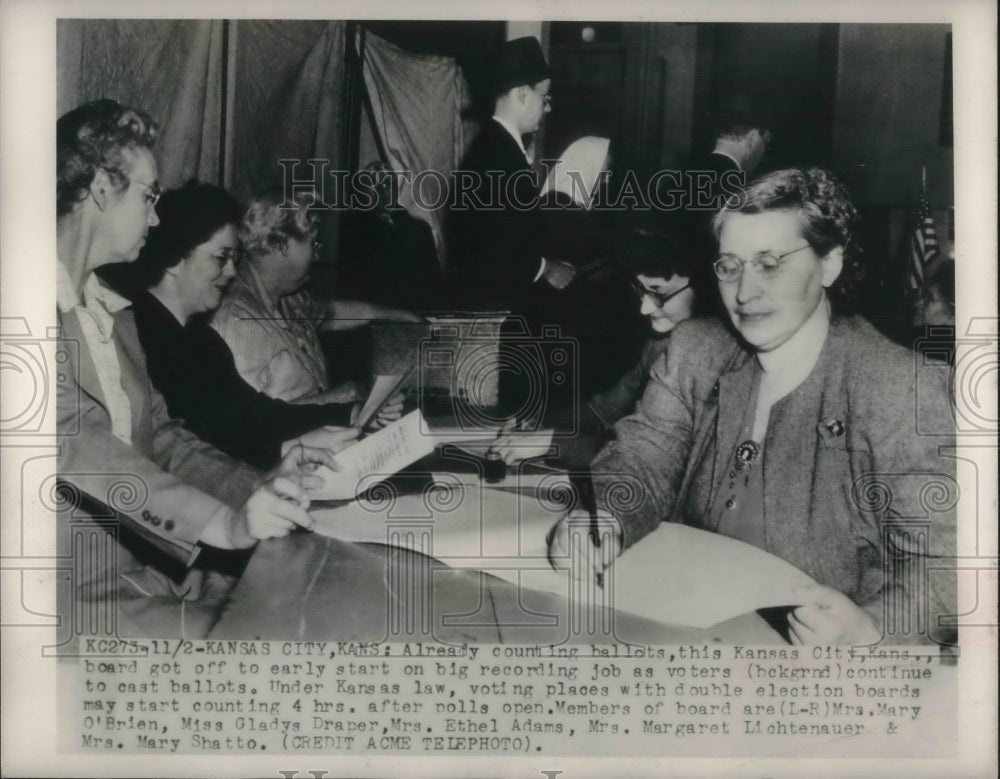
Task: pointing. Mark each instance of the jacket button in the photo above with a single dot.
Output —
(145, 515)
(168, 525)
(730, 503)
(156, 521)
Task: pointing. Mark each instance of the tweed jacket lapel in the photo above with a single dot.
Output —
(131, 361)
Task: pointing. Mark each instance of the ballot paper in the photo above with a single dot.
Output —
(374, 459)
(678, 575)
(383, 388)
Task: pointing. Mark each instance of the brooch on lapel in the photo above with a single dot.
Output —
(831, 428)
(746, 455)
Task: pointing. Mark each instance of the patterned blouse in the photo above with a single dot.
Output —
(276, 346)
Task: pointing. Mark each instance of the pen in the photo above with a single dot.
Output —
(588, 501)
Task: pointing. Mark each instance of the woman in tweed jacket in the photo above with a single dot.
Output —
(798, 428)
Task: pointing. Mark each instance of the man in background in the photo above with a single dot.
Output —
(496, 231)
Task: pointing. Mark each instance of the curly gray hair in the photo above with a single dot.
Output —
(824, 209)
(272, 218)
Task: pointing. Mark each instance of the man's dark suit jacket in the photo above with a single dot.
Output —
(496, 231)
(710, 180)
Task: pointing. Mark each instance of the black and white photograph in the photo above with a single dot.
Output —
(454, 390)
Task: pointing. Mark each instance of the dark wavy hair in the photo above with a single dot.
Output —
(189, 216)
(823, 206)
(94, 136)
(644, 246)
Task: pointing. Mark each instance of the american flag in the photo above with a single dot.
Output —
(924, 247)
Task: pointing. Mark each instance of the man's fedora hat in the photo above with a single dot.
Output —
(519, 62)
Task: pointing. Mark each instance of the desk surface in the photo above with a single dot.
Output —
(313, 587)
(308, 587)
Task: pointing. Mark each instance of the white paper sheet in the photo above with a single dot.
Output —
(678, 574)
(374, 458)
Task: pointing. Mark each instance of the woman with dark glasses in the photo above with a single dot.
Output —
(669, 289)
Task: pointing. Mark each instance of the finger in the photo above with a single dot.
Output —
(340, 437)
(311, 482)
(810, 618)
(508, 455)
(289, 492)
(509, 424)
(311, 456)
(295, 513)
(558, 546)
(276, 529)
(793, 631)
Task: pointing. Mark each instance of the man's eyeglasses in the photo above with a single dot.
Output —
(153, 192)
(767, 265)
(660, 299)
(546, 96)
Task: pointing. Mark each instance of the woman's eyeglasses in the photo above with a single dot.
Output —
(766, 265)
(225, 256)
(152, 193)
(660, 299)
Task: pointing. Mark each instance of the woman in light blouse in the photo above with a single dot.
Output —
(268, 317)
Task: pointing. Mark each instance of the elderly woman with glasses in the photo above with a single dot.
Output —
(268, 317)
(795, 426)
(128, 474)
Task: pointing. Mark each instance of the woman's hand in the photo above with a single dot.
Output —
(300, 462)
(276, 508)
(519, 440)
(329, 437)
(504, 443)
(389, 413)
(571, 544)
(827, 616)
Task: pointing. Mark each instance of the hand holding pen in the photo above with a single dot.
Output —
(280, 502)
(586, 541)
(508, 436)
